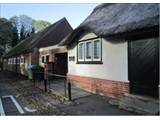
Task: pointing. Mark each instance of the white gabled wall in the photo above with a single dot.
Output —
(114, 58)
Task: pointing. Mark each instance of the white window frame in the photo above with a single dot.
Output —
(88, 59)
(22, 60)
(8, 61)
(14, 59)
(83, 49)
(92, 59)
(18, 60)
(100, 51)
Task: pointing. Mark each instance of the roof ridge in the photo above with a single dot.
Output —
(48, 30)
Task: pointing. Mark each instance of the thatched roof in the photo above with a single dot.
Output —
(52, 35)
(111, 19)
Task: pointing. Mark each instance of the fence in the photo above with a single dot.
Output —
(59, 84)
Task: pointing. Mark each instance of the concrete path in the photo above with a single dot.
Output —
(47, 104)
(92, 105)
(9, 105)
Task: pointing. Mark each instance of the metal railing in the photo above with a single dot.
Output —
(53, 82)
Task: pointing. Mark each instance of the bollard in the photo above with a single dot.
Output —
(65, 89)
(45, 85)
(34, 82)
(45, 77)
(69, 91)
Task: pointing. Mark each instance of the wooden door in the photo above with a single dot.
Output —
(61, 64)
(144, 66)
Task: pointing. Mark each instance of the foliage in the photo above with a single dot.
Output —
(15, 38)
(26, 26)
(39, 25)
(22, 33)
(23, 25)
(15, 22)
(37, 68)
(26, 22)
(6, 35)
(18, 28)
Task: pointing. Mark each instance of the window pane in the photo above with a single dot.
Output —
(81, 54)
(88, 50)
(22, 59)
(47, 59)
(42, 59)
(14, 61)
(97, 49)
(18, 60)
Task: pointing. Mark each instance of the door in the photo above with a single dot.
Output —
(144, 66)
(61, 64)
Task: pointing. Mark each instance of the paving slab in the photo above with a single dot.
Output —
(92, 105)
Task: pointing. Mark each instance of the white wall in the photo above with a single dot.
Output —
(114, 58)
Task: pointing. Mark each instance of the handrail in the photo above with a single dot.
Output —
(63, 76)
(57, 75)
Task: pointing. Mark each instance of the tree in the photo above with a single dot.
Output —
(26, 26)
(26, 22)
(15, 38)
(18, 28)
(33, 31)
(6, 35)
(39, 25)
(23, 24)
(22, 33)
(16, 24)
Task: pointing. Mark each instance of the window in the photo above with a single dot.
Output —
(89, 51)
(22, 60)
(97, 50)
(9, 61)
(18, 60)
(47, 58)
(14, 60)
(43, 60)
(81, 51)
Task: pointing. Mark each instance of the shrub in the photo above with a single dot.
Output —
(37, 72)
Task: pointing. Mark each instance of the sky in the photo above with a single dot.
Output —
(74, 13)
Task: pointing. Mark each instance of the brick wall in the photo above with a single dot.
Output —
(114, 89)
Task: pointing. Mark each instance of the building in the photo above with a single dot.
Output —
(27, 51)
(115, 50)
(56, 58)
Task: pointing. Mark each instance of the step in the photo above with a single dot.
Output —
(139, 104)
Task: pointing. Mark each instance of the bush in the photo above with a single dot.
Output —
(37, 68)
(37, 72)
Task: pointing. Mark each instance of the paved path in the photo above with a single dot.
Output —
(46, 104)
(9, 105)
(92, 105)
